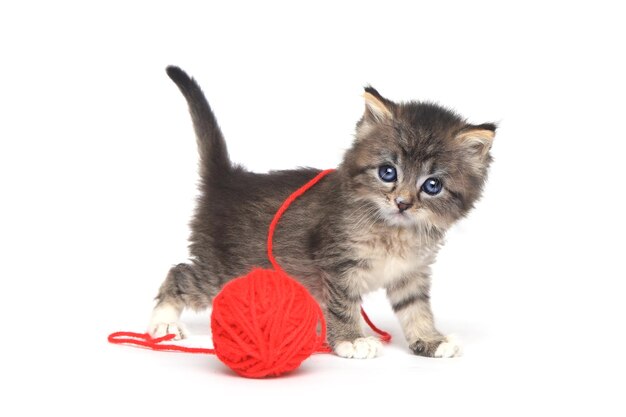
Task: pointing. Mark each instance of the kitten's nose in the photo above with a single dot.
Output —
(403, 205)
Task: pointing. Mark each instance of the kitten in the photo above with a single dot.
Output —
(376, 222)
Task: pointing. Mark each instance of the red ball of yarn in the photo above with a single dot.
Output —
(265, 324)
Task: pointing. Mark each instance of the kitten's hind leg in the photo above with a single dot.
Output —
(185, 286)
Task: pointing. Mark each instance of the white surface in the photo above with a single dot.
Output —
(98, 172)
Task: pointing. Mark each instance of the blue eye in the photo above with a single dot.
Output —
(387, 173)
(432, 186)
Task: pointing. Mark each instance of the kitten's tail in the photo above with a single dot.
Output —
(214, 158)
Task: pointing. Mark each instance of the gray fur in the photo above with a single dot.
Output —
(345, 236)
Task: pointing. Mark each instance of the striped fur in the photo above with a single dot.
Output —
(346, 236)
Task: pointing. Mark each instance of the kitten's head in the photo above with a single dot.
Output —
(417, 163)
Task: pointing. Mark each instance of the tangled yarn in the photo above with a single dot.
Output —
(265, 324)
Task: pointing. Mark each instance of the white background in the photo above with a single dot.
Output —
(98, 173)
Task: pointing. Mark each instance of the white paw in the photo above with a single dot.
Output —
(163, 329)
(448, 349)
(361, 348)
(164, 321)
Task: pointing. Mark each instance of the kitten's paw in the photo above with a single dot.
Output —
(450, 348)
(164, 321)
(445, 347)
(361, 348)
(163, 329)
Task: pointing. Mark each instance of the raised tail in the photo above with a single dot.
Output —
(211, 145)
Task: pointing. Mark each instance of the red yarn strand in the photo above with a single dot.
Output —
(384, 336)
(283, 208)
(145, 340)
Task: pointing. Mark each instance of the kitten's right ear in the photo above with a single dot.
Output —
(377, 108)
(478, 139)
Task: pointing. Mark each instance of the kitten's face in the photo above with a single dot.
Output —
(417, 164)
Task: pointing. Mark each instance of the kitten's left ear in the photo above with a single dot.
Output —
(377, 108)
(478, 138)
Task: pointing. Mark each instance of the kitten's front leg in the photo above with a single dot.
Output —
(410, 301)
(343, 324)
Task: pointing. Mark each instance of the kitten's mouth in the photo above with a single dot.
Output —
(399, 218)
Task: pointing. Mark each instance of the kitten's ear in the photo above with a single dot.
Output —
(377, 108)
(478, 138)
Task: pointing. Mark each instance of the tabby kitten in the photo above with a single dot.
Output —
(376, 222)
